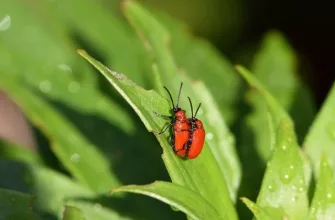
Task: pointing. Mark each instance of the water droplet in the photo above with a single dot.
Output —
(301, 181)
(294, 187)
(286, 177)
(65, 68)
(312, 210)
(74, 86)
(97, 207)
(209, 136)
(284, 147)
(291, 167)
(5, 23)
(293, 199)
(75, 158)
(329, 195)
(301, 189)
(117, 75)
(45, 86)
(271, 188)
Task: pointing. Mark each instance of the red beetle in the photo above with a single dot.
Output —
(197, 136)
(181, 126)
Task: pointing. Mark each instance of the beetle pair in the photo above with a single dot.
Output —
(188, 134)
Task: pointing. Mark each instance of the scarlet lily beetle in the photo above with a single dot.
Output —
(181, 126)
(197, 136)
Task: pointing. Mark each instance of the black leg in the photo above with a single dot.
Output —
(163, 116)
(165, 128)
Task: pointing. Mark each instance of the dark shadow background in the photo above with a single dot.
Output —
(234, 25)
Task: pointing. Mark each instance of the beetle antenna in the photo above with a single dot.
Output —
(181, 86)
(170, 97)
(197, 109)
(191, 105)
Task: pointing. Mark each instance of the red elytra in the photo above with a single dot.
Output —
(181, 126)
(197, 137)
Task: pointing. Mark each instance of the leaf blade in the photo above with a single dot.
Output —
(323, 203)
(176, 196)
(321, 136)
(283, 191)
(190, 172)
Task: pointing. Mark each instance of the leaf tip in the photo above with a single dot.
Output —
(82, 52)
(241, 70)
(125, 4)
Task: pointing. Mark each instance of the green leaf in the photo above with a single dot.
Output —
(96, 211)
(256, 210)
(220, 140)
(52, 191)
(15, 205)
(14, 152)
(321, 136)
(50, 188)
(72, 213)
(323, 203)
(283, 190)
(275, 65)
(61, 77)
(52, 197)
(178, 197)
(82, 159)
(202, 174)
(117, 42)
(155, 37)
(202, 61)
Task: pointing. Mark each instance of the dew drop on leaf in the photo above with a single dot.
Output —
(64, 67)
(209, 136)
(329, 195)
(74, 86)
(75, 158)
(45, 86)
(5, 23)
(294, 187)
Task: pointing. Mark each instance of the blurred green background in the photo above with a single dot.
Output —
(70, 107)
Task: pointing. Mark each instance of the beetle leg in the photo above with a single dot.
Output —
(165, 128)
(163, 116)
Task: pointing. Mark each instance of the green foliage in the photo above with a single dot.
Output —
(323, 202)
(15, 205)
(321, 137)
(202, 175)
(178, 197)
(93, 148)
(72, 213)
